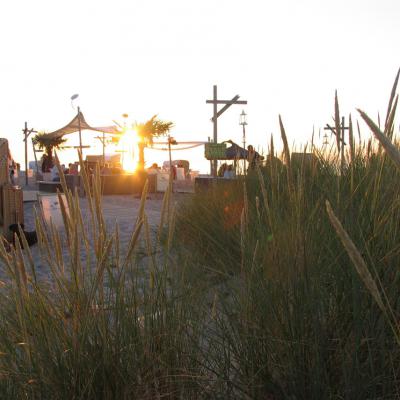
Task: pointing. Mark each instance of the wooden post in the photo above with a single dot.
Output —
(26, 152)
(340, 135)
(342, 160)
(215, 126)
(244, 146)
(34, 154)
(26, 135)
(171, 174)
(104, 149)
(80, 133)
(211, 163)
(216, 114)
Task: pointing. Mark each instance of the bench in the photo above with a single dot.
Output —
(49, 187)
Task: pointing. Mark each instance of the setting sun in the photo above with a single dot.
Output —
(128, 146)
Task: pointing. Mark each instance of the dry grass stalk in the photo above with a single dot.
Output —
(100, 267)
(352, 153)
(312, 137)
(390, 105)
(66, 219)
(98, 208)
(258, 208)
(285, 143)
(164, 208)
(77, 216)
(359, 132)
(7, 259)
(265, 197)
(272, 148)
(171, 227)
(116, 245)
(356, 258)
(351, 141)
(132, 243)
(337, 122)
(369, 149)
(149, 248)
(143, 201)
(287, 156)
(62, 179)
(45, 250)
(245, 205)
(57, 248)
(255, 253)
(20, 271)
(88, 191)
(242, 240)
(387, 144)
(389, 127)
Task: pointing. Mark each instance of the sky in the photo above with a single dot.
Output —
(163, 57)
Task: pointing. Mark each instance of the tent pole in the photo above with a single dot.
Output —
(34, 153)
(80, 133)
(104, 149)
(26, 152)
(26, 135)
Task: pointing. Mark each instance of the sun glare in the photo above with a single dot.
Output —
(128, 146)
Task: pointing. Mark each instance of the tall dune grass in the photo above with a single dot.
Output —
(99, 328)
(299, 322)
(247, 291)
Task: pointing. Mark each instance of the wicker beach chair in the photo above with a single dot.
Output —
(11, 197)
(12, 208)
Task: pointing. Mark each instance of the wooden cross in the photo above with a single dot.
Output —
(340, 138)
(27, 132)
(333, 130)
(216, 114)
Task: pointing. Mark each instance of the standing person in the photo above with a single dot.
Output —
(47, 163)
(55, 176)
(12, 166)
(253, 158)
(73, 169)
(229, 172)
(12, 176)
(222, 169)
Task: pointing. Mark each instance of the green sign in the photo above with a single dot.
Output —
(215, 151)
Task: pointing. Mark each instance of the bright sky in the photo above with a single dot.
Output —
(163, 57)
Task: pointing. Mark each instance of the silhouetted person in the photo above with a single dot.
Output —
(253, 158)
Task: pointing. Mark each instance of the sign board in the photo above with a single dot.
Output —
(162, 181)
(215, 151)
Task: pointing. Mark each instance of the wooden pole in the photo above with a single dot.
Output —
(216, 114)
(171, 175)
(244, 146)
(104, 149)
(80, 133)
(26, 152)
(34, 154)
(211, 163)
(215, 126)
(342, 147)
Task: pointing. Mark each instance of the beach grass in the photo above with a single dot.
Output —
(282, 284)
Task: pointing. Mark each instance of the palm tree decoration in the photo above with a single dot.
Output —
(147, 131)
(46, 143)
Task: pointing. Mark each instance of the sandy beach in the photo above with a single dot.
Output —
(120, 210)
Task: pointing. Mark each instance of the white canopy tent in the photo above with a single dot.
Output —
(79, 123)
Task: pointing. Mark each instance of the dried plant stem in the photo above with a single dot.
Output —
(363, 271)
(389, 147)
